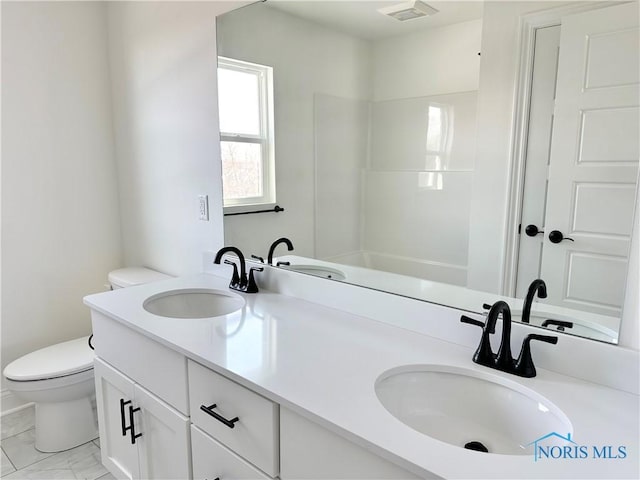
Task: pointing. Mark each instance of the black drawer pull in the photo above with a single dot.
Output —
(122, 420)
(220, 418)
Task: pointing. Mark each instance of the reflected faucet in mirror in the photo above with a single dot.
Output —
(539, 286)
(273, 246)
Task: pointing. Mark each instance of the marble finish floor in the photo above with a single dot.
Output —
(21, 460)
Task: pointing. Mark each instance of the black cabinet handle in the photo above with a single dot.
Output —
(556, 236)
(123, 424)
(209, 410)
(131, 427)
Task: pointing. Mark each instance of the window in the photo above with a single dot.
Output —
(245, 97)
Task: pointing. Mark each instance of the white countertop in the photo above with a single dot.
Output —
(323, 364)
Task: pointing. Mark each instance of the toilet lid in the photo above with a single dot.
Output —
(57, 360)
(131, 276)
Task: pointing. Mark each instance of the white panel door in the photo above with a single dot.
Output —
(594, 160)
(543, 87)
(114, 394)
(163, 445)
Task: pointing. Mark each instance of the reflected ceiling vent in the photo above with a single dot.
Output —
(408, 10)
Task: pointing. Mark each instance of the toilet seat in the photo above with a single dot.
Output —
(56, 361)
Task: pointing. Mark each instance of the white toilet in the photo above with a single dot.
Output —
(59, 380)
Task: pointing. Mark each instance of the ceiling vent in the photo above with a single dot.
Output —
(408, 10)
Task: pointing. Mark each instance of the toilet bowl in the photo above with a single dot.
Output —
(59, 380)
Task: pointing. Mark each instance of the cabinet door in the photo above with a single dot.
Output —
(163, 447)
(114, 394)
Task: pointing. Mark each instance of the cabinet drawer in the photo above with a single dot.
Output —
(212, 460)
(254, 436)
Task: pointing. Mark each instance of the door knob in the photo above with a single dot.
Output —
(556, 236)
(532, 230)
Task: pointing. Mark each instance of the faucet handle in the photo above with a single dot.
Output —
(252, 287)
(561, 324)
(477, 323)
(256, 257)
(235, 278)
(286, 264)
(524, 366)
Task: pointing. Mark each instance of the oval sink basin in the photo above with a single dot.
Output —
(316, 270)
(193, 303)
(460, 407)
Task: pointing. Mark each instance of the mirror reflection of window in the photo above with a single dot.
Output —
(245, 97)
(439, 136)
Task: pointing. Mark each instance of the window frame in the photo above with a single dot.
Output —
(265, 138)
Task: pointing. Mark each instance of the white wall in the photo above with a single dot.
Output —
(433, 62)
(307, 59)
(163, 71)
(60, 226)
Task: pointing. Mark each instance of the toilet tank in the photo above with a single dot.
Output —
(130, 276)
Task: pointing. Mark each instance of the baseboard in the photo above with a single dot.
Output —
(10, 403)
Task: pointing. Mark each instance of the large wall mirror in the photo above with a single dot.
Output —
(374, 143)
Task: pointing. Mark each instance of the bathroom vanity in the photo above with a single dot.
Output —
(283, 387)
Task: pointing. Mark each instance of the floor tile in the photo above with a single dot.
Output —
(108, 476)
(21, 449)
(17, 422)
(82, 462)
(5, 465)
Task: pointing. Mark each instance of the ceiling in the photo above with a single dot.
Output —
(360, 18)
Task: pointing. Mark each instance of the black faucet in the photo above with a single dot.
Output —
(484, 355)
(539, 286)
(503, 360)
(275, 244)
(240, 282)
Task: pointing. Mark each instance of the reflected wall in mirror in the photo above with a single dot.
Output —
(379, 169)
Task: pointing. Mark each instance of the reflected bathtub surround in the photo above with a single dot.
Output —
(434, 133)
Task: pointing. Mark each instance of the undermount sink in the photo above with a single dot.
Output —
(317, 270)
(193, 303)
(469, 409)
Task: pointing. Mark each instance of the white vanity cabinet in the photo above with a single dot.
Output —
(309, 451)
(140, 435)
(236, 417)
(196, 423)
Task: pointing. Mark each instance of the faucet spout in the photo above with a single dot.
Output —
(273, 246)
(243, 271)
(504, 360)
(538, 286)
